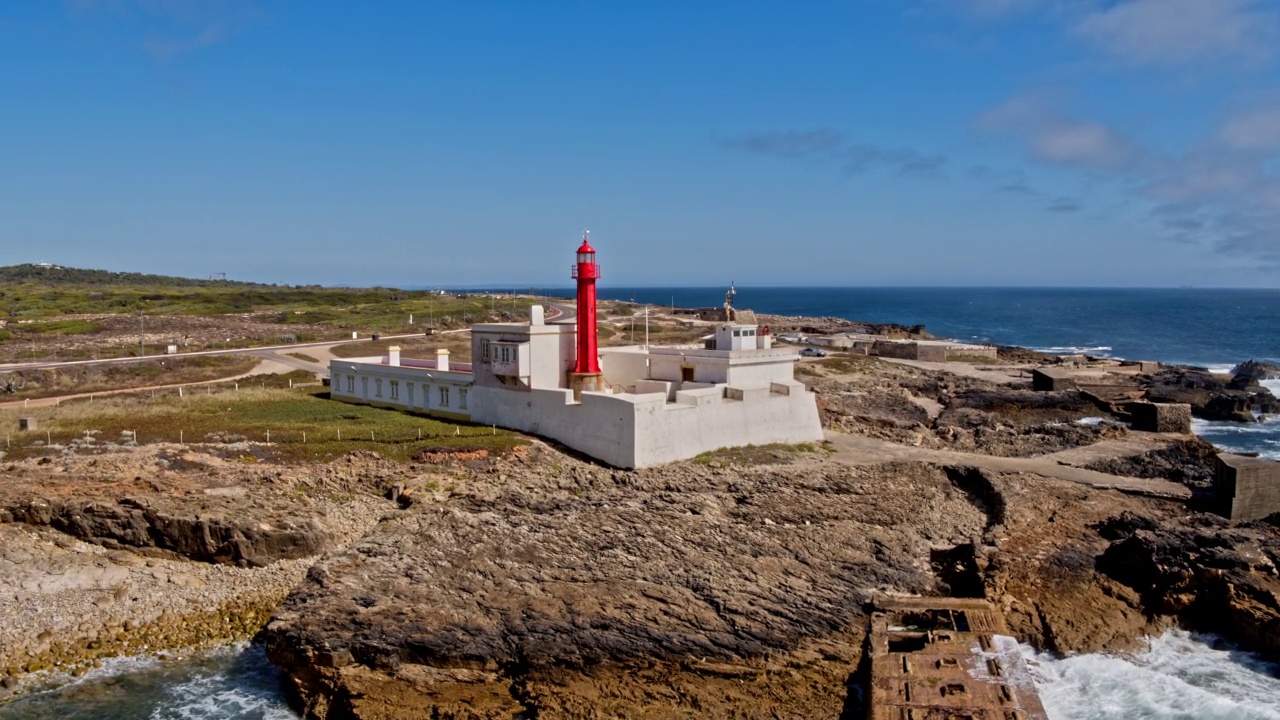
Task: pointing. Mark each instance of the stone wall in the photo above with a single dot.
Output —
(1052, 380)
(1247, 488)
(1161, 417)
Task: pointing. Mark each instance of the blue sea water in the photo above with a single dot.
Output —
(1181, 677)
(1208, 328)
(1215, 329)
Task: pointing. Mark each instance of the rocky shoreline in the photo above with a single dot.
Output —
(734, 585)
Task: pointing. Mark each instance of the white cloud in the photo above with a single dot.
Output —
(1257, 130)
(1224, 194)
(1053, 137)
(1166, 32)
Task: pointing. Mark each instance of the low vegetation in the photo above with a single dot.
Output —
(79, 379)
(773, 454)
(263, 420)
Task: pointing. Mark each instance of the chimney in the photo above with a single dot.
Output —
(536, 315)
(393, 356)
(442, 360)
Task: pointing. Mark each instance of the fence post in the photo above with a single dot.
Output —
(268, 437)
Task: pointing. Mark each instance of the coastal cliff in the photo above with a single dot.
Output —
(478, 585)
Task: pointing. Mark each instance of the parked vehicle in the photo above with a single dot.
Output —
(813, 352)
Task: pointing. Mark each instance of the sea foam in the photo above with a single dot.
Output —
(1180, 676)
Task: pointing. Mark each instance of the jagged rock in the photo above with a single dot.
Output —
(681, 565)
(1191, 462)
(1212, 577)
(1248, 374)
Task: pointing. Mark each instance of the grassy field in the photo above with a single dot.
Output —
(458, 345)
(76, 379)
(283, 425)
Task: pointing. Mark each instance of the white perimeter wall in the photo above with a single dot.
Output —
(675, 432)
(645, 430)
(601, 425)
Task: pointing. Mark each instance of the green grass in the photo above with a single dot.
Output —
(161, 370)
(366, 309)
(303, 425)
(55, 327)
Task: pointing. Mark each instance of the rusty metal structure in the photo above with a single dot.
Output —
(946, 659)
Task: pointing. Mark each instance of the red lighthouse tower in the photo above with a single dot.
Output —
(586, 371)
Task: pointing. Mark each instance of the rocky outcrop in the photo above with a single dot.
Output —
(731, 572)
(1191, 462)
(1249, 374)
(1212, 577)
(132, 523)
(1210, 396)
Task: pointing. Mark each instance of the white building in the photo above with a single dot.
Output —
(655, 405)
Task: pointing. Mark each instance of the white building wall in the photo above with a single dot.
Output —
(550, 355)
(600, 426)
(622, 367)
(675, 432)
(406, 388)
(633, 431)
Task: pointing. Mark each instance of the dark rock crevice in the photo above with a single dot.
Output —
(132, 524)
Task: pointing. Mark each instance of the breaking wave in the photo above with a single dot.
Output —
(1261, 437)
(235, 682)
(1179, 677)
(1097, 350)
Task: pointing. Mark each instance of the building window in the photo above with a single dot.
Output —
(444, 397)
(506, 354)
(364, 385)
(395, 389)
(462, 399)
(409, 387)
(737, 333)
(351, 383)
(377, 387)
(484, 351)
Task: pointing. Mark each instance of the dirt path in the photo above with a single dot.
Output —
(859, 450)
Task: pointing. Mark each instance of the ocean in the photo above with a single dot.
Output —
(1179, 677)
(1213, 329)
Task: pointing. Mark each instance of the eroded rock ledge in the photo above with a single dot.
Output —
(546, 592)
(559, 589)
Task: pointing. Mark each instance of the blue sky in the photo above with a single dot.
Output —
(866, 142)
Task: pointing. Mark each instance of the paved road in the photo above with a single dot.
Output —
(238, 351)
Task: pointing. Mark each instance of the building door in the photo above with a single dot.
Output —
(686, 373)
